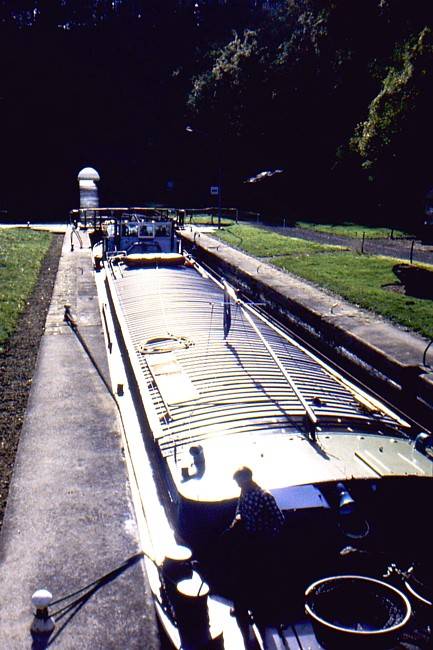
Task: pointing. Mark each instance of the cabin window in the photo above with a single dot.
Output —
(147, 230)
(163, 230)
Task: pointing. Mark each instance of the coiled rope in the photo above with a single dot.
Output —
(169, 342)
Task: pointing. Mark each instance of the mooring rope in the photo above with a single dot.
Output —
(70, 320)
(96, 583)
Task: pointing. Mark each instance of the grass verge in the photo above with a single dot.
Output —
(21, 255)
(207, 220)
(356, 230)
(365, 280)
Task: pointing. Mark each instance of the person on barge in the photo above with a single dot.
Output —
(257, 511)
(253, 545)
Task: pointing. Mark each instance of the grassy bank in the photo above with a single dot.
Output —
(21, 255)
(365, 280)
(204, 219)
(357, 230)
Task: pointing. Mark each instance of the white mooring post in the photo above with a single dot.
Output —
(42, 622)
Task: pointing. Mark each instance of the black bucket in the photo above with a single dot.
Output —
(420, 590)
(421, 597)
(356, 612)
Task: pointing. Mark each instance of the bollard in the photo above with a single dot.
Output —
(190, 606)
(175, 567)
(42, 622)
(68, 317)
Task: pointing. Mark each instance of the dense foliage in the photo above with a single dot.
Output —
(104, 84)
(336, 93)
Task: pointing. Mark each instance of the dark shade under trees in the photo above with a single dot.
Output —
(334, 92)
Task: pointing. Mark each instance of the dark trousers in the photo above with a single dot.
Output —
(251, 564)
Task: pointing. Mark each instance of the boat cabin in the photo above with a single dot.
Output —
(134, 233)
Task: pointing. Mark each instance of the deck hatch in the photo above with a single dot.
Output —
(173, 383)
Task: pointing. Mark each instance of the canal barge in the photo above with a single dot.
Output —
(217, 385)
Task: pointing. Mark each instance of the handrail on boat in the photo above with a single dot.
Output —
(309, 413)
(308, 410)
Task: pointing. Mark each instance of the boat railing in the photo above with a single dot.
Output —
(96, 218)
(111, 254)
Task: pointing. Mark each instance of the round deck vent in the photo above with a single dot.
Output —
(166, 343)
(356, 612)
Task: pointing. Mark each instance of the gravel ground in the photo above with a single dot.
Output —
(17, 364)
(400, 248)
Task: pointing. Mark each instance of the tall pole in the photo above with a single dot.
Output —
(219, 194)
(220, 174)
(189, 129)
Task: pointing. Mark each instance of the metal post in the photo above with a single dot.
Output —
(411, 251)
(219, 186)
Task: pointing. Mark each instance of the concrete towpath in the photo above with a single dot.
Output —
(69, 518)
